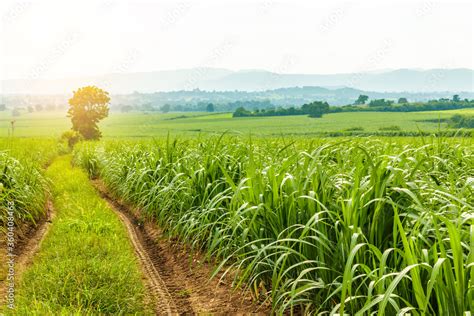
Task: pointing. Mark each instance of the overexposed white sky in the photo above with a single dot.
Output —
(55, 39)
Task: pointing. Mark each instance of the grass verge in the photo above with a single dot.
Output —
(86, 263)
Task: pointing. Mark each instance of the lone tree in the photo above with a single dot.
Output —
(87, 107)
(361, 99)
(165, 108)
(210, 107)
(315, 109)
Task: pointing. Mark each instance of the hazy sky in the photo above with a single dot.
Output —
(52, 39)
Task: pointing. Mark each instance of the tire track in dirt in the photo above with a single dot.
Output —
(177, 283)
(158, 290)
(26, 246)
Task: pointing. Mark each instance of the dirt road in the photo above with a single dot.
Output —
(176, 283)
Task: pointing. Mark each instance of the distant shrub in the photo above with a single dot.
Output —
(71, 138)
(437, 120)
(126, 108)
(380, 103)
(354, 129)
(461, 121)
(314, 109)
(390, 128)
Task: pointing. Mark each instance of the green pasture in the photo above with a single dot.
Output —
(52, 124)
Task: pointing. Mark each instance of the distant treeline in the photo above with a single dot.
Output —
(229, 101)
(382, 105)
(318, 108)
(17, 110)
(199, 107)
(443, 133)
(267, 107)
(313, 109)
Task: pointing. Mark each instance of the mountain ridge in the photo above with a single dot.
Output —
(220, 79)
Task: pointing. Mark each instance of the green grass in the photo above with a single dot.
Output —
(52, 124)
(356, 226)
(38, 150)
(86, 263)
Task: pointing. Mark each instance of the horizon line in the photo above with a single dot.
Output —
(375, 71)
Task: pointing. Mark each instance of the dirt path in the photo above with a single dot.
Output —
(27, 245)
(176, 286)
(157, 289)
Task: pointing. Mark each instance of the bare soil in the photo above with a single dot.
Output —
(179, 282)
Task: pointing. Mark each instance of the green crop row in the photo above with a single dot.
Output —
(351, 226)
(22, 183)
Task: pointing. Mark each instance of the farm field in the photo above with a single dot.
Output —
(304, 225)
(133, 125)
(318, 225)
(73, 255)
(296, 222)
(237, 158)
